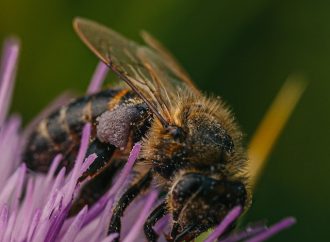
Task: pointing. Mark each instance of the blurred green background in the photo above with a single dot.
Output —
(241, 50)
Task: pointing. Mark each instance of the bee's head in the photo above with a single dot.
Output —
(199, 202)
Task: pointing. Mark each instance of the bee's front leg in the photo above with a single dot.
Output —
(125, 200)
(159, 212)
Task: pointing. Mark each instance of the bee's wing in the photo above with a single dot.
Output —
(144, 69)
(169, 60)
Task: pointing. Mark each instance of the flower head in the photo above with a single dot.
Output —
(35, 207)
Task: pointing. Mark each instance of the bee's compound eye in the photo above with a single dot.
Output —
(228, 144)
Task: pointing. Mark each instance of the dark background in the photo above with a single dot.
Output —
(241, 50)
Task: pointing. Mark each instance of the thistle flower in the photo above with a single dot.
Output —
(34, 207)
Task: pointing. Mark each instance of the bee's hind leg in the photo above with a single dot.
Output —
(100, 174)
(114, 126)
(104, 152)
(125, 200)
(159, 212)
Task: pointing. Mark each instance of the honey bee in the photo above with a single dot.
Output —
(191, 145)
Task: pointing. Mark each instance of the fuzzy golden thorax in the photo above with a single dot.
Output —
(202, 137)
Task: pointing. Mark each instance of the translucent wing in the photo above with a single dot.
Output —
(170, 61)
(148, 71)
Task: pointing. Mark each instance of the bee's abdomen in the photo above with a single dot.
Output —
(61, 131)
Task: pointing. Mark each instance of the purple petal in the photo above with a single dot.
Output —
(105, 218)
(3, 220)
(135, 230)
(26, 211)
(96, 209)
(41, 231)
(248, 232)
(8, 69)
(75, 227)
(19, 187)
(110, 237)
(162, 224)
(83, 148)
(131, 213)
(97, 229)
(35, 221)
(56, 226)
(57, 183)
(88, 161)
(127, 169)
(221, 228)
(76, 171)
(120, 181)
(9, 141)
(12, 220)
(283, 224)
(56, 161)
(11, 185)
(98, 78)
(49, 206)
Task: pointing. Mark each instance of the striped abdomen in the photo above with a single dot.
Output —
(61, 131)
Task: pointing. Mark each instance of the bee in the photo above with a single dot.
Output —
(191, 145)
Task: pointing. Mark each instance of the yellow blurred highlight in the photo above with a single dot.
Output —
(272, 125)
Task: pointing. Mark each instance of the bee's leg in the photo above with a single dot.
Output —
(159, 212)
(100, 174)
(104, 152)
(114, 126)
(94, 189)
(125, 200)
